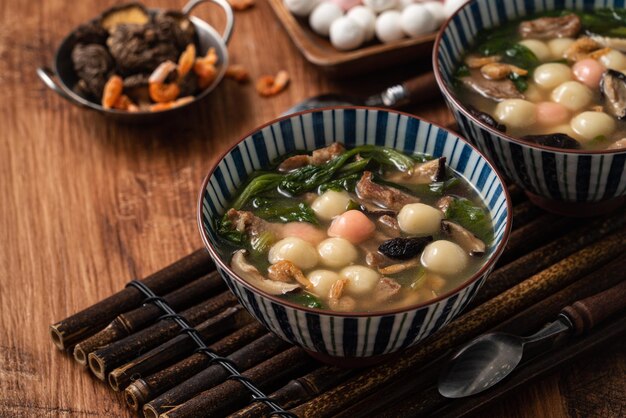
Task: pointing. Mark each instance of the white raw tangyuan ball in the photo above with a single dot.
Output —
(361, 279)
(323, 16)
(419, 219)
(590, 125)
(346, 33)
(451, 6)
(378, 6)
(337, 252)
(366, 18)
(416, 20)
(301, 8)
(301, 253)
(516, 113)
(550, 75)
(573, 95)
(322, 281)
(330, 204)
(539, 48)
(437, 10)
(388, 28)
(444, 257)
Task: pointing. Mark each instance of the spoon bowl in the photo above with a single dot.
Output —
(481, 364)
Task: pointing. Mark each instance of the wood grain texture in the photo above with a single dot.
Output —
(88, 205)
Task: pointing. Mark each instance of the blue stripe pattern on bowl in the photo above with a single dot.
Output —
(327, 332)
(565, 176)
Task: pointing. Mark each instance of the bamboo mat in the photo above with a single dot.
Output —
(549, 262)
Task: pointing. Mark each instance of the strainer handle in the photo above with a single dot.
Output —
(230, 17)
(49, 79)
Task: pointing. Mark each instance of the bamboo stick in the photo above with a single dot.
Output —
(130, 322)
(224, 398)
(469, 325)
(511, 274)
(297, 391)
(533, 234)
(172, 350)
(409, 400)
(524, 213)
(244, 358)
(87, 322)
(142, 390)
(102, 361)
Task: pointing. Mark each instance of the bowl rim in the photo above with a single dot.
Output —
(451, 97)
(79, 100)
(217, 258)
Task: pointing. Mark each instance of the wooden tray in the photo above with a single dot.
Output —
(372, 56)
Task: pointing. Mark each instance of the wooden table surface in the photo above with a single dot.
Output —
(87, 204)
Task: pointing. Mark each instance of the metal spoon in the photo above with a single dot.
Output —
(418, 89)
(488, 359)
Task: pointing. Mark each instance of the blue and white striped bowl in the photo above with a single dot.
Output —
(334, 334)
(571, 182)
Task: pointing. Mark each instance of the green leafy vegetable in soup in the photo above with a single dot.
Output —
(361, 229)
(557, 79)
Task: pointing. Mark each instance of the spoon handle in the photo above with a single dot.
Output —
(589, 312)
(416, 90)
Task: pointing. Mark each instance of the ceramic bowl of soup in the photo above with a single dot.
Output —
(539, 89)
(354, 232)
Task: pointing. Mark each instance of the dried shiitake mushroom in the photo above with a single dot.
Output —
(132, 13)
(92, 64)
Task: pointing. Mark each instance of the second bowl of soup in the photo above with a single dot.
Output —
(354, 232)
(542, 91)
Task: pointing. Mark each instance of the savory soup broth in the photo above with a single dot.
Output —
(561, 73)
(383, 231)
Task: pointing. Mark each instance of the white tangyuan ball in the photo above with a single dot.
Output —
(437, 10)
(322, 281)
(346, 33)
(539, 48)
(366, 18)
(416, 20)
(301, 253)
(337, 252)
(361, 279)
(378, 6)
(330, 204)
(451, 6)
(516, 113)
(614, 60)
(565, 129)
(550, 75)
(444, 257)
(534, 93)
(590, 125)
(419, 219)
(323, 16)
(388, 28)
(301, 8)
(402, 4)
(558, 47)
(573, 95)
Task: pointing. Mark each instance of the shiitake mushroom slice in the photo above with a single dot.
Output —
(486, 118)
(557, 140)
(404, 248)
